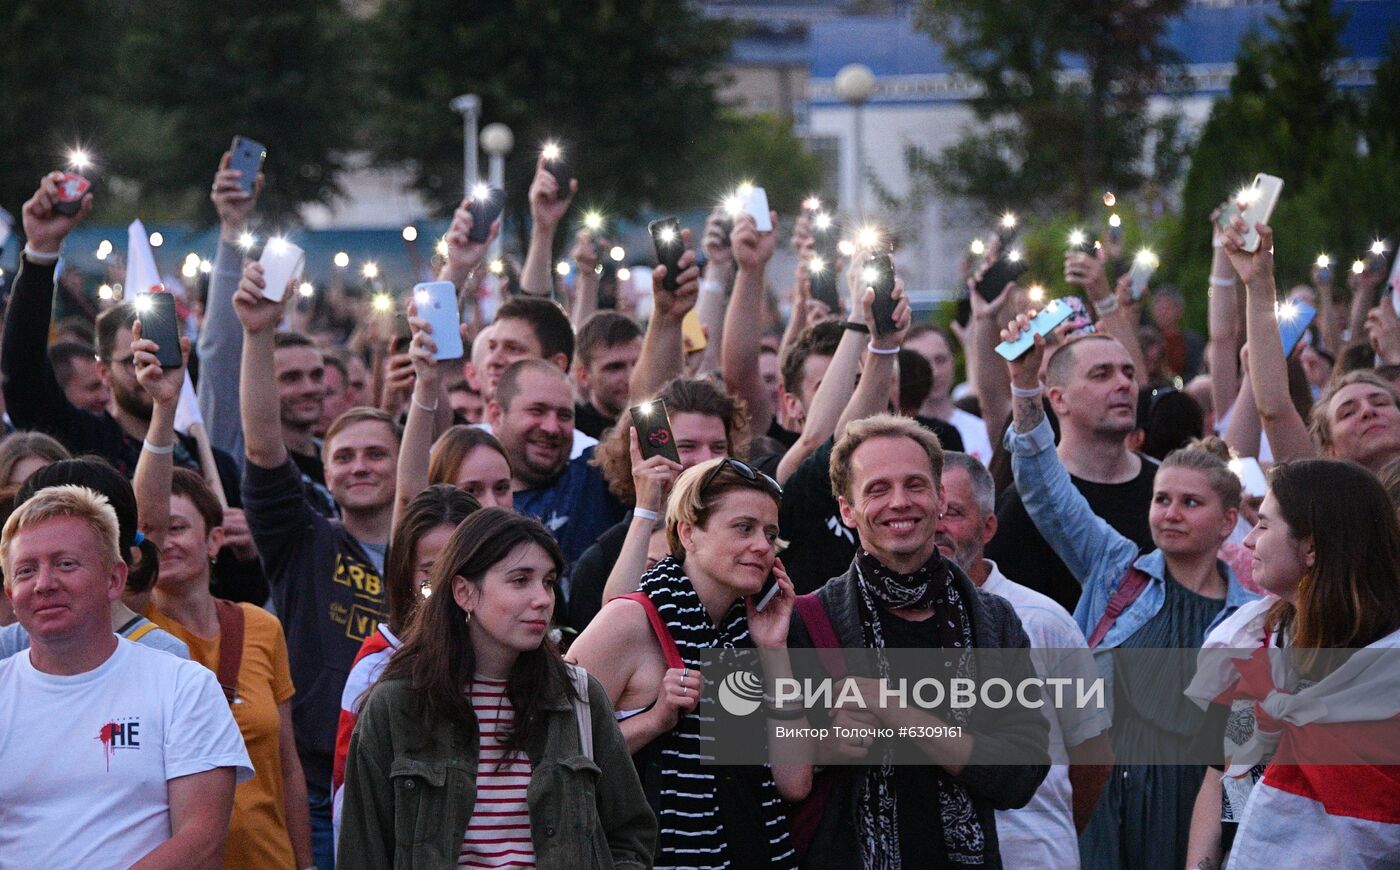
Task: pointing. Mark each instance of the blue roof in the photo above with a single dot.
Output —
(890, 46)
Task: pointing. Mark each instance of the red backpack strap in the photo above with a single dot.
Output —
(1129, 588)
(230, 646)
(658, 627)
(823, 634)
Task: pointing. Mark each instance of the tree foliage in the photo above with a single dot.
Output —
(1061, 114)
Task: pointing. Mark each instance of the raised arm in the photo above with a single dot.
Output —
(1114, 320)
(546, 211)
(985, 370)
(651, 480)
(155, 468)
(221, 335)
(464, 256)
(743, 322)
(587, 256)
(1268, 369)
(257, 388)
(663, 346)
(1223, 322)
(714, 288)
(418, 430)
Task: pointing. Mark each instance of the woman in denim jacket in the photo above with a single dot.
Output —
(1167, 598)
(475, 745)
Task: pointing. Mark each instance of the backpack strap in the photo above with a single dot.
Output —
(583, 710)
(823, 634)
(141, 631)
(1129, 588)
(669, 651)
(231, 620)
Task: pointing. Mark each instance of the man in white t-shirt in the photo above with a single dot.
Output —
(1045, 832)
(932, 344)
(113, 754)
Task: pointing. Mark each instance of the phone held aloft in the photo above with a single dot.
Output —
(436, 302)
(247, 157)
(159, 323)
(654, 435)
(1056, 311)
(879, 276)
(485, 207)
(71, 191)
(666, 238)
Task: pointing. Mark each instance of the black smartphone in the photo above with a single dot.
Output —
(666, 237)
(824, 282)
(767, 593)
(160, 324)
(654, 434)
(563, 173)
(1007, 227)
(826, 237)
(1082, 242)
(247, 157)
(879, 275)
(1002, 271)
(71, 191)
(403, 334)
(484, 210)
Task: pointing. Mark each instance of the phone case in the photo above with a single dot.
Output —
(1056, 311)
(654, 434)
(824, 286)
(1140, 274)
(668, 252)
(563, 173)
(282, 263)
(998, 275)
(247, 158)
(1292, 329)
(159, 324)
(436, 302)
(484, 212)
(71, 191)
(756, 204)
(1264, 194)
(767, 593)
(883, 285)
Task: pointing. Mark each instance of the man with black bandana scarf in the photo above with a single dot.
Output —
(899, 592)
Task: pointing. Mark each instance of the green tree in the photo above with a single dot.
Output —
(194, 75)
(1051, 134)
(626, 85)
(57, 88)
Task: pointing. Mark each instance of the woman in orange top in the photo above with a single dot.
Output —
(270, 826)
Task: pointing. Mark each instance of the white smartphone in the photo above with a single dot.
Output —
(1262, 196)
(1144, 264)
(1251, 476)
(1056, 311)
(436, 302)
(757, 205)
(282, 263)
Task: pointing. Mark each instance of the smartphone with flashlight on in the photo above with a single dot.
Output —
(1009, 267)
(486, 205)
(1259, 200)
(1144, 264)
(436, 302)
(160, 324)
(666, 237)
(1251, 476)
(1055, 312)
(1082, 243)
(654, 435)
(247, 157)
(1294, 318)
(557, 166)
(282, 263)
(878, 274)
(1007, 227)
(822, 281)
(71, 191)
(756, 205)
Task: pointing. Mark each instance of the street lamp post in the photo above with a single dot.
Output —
(854, 84)
(469, 106)
(497, 140)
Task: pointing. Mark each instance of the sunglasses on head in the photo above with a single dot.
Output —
(744, 470)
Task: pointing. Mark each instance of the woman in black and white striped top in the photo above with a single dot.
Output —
(722, 531)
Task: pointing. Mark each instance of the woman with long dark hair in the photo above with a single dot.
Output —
(476, 712)
(1327, 550)
(419, 538)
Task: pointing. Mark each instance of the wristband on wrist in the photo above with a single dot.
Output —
(158, 451)
(710, 285)
(37, 258)
(855, 327)
(1021, 393)
(881, 351)
(1218, 281)
(1107, 305)
(643, 513)
(430, 410)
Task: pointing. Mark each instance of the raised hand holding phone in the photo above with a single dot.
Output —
(653, 427)
(282, 264)
(1027, 332)
(435, 303)
(246, 157)
(162, 382)
(44, 227)
(1258, 201)
(159, 323)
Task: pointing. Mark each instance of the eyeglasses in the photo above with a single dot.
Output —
(744, 470)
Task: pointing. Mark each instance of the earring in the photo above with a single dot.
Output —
(468, 620)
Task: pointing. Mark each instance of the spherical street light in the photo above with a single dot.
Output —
(855, 83)
(497, 139)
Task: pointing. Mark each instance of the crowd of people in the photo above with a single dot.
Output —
(385, 610)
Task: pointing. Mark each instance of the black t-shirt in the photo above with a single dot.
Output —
(590, 421)
(1023, 554)
(822, 546)
(590, 576)
(948, 435)
(785, 437)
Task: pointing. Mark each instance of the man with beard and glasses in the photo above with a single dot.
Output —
(532, 414)
(36, 401)
(901, 593)
(1045, 832)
